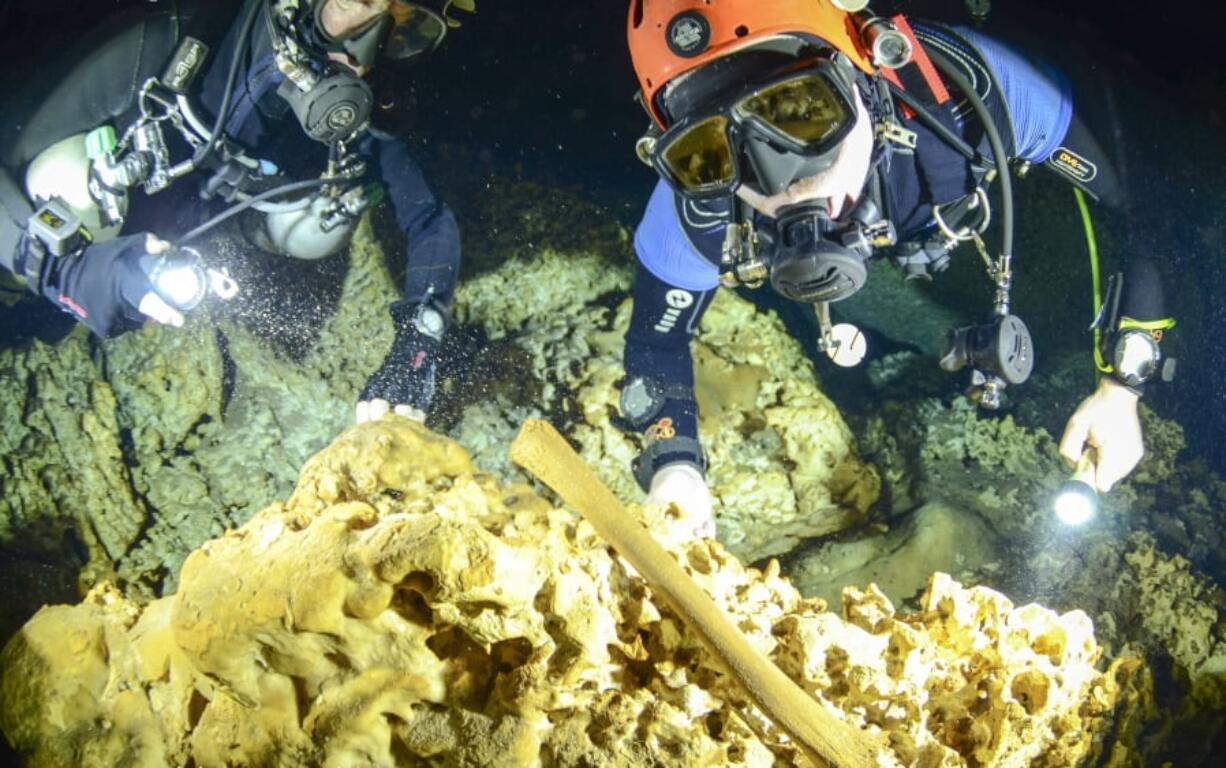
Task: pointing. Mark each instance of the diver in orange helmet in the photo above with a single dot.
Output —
(795, 141)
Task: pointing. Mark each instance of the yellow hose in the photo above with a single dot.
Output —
(820, 735)
(1095, 277)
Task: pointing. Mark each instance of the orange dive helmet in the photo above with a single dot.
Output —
(669, 38)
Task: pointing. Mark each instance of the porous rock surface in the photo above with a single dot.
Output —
(144, 446)
(783, 464)
(402, 608)
(970, 493)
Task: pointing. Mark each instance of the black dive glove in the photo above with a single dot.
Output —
(406, 377)
(102, 286)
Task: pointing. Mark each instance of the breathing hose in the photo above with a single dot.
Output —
(238, 208)
(951, 72)
(1095, 276)
(244, 40)
(936, 126)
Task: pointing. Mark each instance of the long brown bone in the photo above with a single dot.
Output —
(823, 737)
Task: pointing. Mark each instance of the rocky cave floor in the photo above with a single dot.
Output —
(123, 458)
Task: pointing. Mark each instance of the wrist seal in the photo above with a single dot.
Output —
(672, 450)
(425, 318)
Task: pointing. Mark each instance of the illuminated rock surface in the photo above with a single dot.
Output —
(170, 437)
(400, 608)
(132, 453)
(147, 445)
(783, 463)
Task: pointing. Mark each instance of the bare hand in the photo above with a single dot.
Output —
(1107, 421)
(373, 410)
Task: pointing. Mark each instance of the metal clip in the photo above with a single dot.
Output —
(221, 284)
(983, 253)
(896, 134)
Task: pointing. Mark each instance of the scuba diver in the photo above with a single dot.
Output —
(796, 140)
(125, 120)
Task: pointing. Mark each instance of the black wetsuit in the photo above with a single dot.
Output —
(102, 88)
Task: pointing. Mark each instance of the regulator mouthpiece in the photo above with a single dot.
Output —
(1002, 348)
(809, 265)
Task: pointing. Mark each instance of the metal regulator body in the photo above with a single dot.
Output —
(330, 101)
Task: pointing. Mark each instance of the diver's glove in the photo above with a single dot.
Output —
(684, 486)
(1106, 420)
(104, 285)
(404, 384)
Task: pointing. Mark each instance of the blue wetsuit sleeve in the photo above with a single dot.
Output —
(678, 244)
(428, 224)
(1038, 96)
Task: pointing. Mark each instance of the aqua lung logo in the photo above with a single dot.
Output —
(689, 34)
(342, 116)
(1073, 165)
(677, 300)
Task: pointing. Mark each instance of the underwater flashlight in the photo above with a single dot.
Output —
(180, 278)
(1077, 501)
(890, 48)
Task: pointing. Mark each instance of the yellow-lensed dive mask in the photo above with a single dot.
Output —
(784, 129)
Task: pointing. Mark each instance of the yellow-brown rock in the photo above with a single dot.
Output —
(783, 464)
(401, 608)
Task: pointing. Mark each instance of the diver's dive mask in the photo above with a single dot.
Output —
(783, 129)
(405, 31)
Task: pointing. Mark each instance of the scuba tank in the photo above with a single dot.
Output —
(63, 171)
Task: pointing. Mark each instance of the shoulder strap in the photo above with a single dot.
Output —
(919, 77)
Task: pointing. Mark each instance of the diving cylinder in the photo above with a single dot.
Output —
(297, 230)
(62, 170)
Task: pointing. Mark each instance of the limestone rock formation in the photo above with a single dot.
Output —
(783, 463)
(143, 447)
(402, 608)
(970, 492)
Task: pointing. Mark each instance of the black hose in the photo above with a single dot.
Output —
(238, 208)
(936, 126)
(219, 124)
(951, 72)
